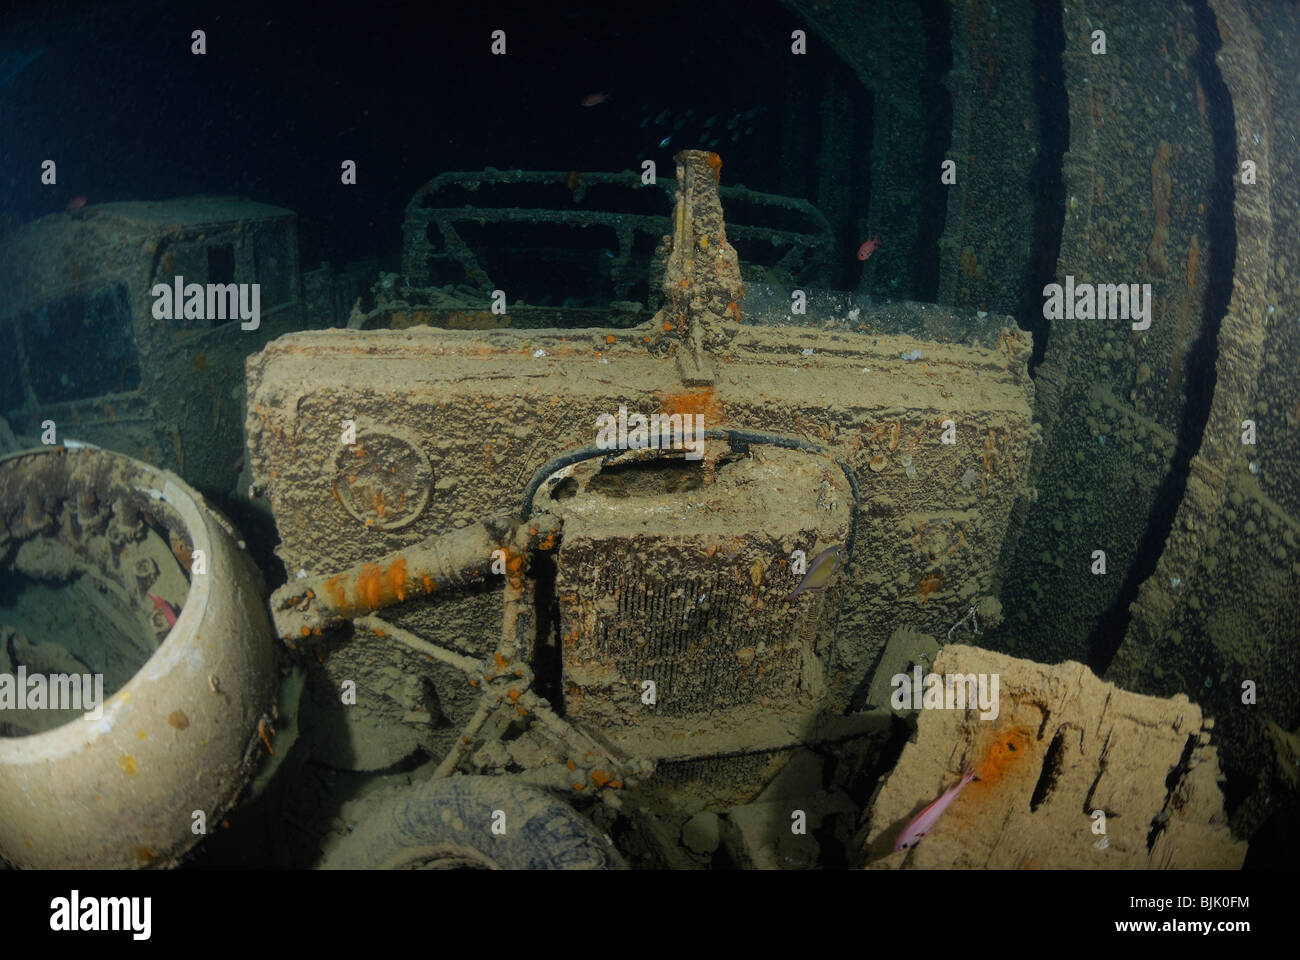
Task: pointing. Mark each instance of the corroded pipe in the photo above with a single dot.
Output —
(304, 608)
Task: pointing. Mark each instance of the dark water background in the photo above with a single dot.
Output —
(407, 90)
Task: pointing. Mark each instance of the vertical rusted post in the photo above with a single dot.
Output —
(702, 279)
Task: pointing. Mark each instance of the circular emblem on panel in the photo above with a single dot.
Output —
(383, 480)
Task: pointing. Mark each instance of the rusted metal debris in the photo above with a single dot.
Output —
(464, 226)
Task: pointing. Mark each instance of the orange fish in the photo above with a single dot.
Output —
(77, 202)
(594, 99)
(868, 247)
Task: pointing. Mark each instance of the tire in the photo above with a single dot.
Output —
(447, 824)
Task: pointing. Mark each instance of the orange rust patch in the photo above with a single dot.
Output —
(1007, 751)
(338, 595)
(397, 578)
(702, 401)
(368, 586)
(262, 728)
(927, 585)
(427, 582)
(184, 556)
(714, 163)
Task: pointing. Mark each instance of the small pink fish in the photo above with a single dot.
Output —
(594, 99)
(76, 203)
(928, 817)
(168, 614)
(868, 247)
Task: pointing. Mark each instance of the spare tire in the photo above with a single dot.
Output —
(485, 823)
